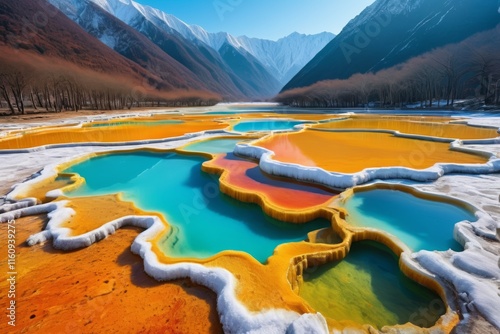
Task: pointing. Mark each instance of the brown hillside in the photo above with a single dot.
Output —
(39, 28)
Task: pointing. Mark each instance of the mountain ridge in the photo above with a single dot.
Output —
(390, 32)
(282, 58)
(156, 44)
(59, 66)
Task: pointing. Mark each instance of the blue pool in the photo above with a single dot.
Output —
(419, 223)
(214, 146)
(205, 221)
(266, 125)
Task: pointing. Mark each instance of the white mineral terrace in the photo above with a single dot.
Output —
(473, 274)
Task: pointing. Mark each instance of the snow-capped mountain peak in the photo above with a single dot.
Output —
(282, 58)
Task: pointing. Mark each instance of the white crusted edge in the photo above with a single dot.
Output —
(473, 272)
(234, 317)
(343, 181)
(51, 169)
(114, 144)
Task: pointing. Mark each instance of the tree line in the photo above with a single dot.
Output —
(59, 87)
(467, 70)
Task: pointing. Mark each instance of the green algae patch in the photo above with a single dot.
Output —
(367, 287)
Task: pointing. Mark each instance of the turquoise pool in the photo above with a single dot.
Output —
(369, 288)
(419, 223)
(267, 125)
(214, 146)
(205, 221)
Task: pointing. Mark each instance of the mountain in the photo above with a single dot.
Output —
(244, 65)
(60, 39)
(282, 58)
(49, 62)
(157, 50)
(390, 32)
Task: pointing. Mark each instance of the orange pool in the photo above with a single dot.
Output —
(247, 176)
(132, 129)
(425, 126)
(350, 152)
(114, 133)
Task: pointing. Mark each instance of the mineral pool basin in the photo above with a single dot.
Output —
(422, 224)
(367, 287)
(351, 152)
(246, 176)
(261, 125)
(138, 122)
(107, 132)
(205, 222)
(425, 126)
(214, 146)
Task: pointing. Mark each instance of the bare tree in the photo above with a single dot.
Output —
(452, 70)
(4, 91)
(18, 82)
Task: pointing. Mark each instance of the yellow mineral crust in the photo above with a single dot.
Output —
(425, 126)
(40, 189)
(100, 289)
(351, 152)
(260, 287)
(93, 212)
(108, 134)
(124, 130)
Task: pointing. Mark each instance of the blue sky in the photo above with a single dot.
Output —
(271, 19)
